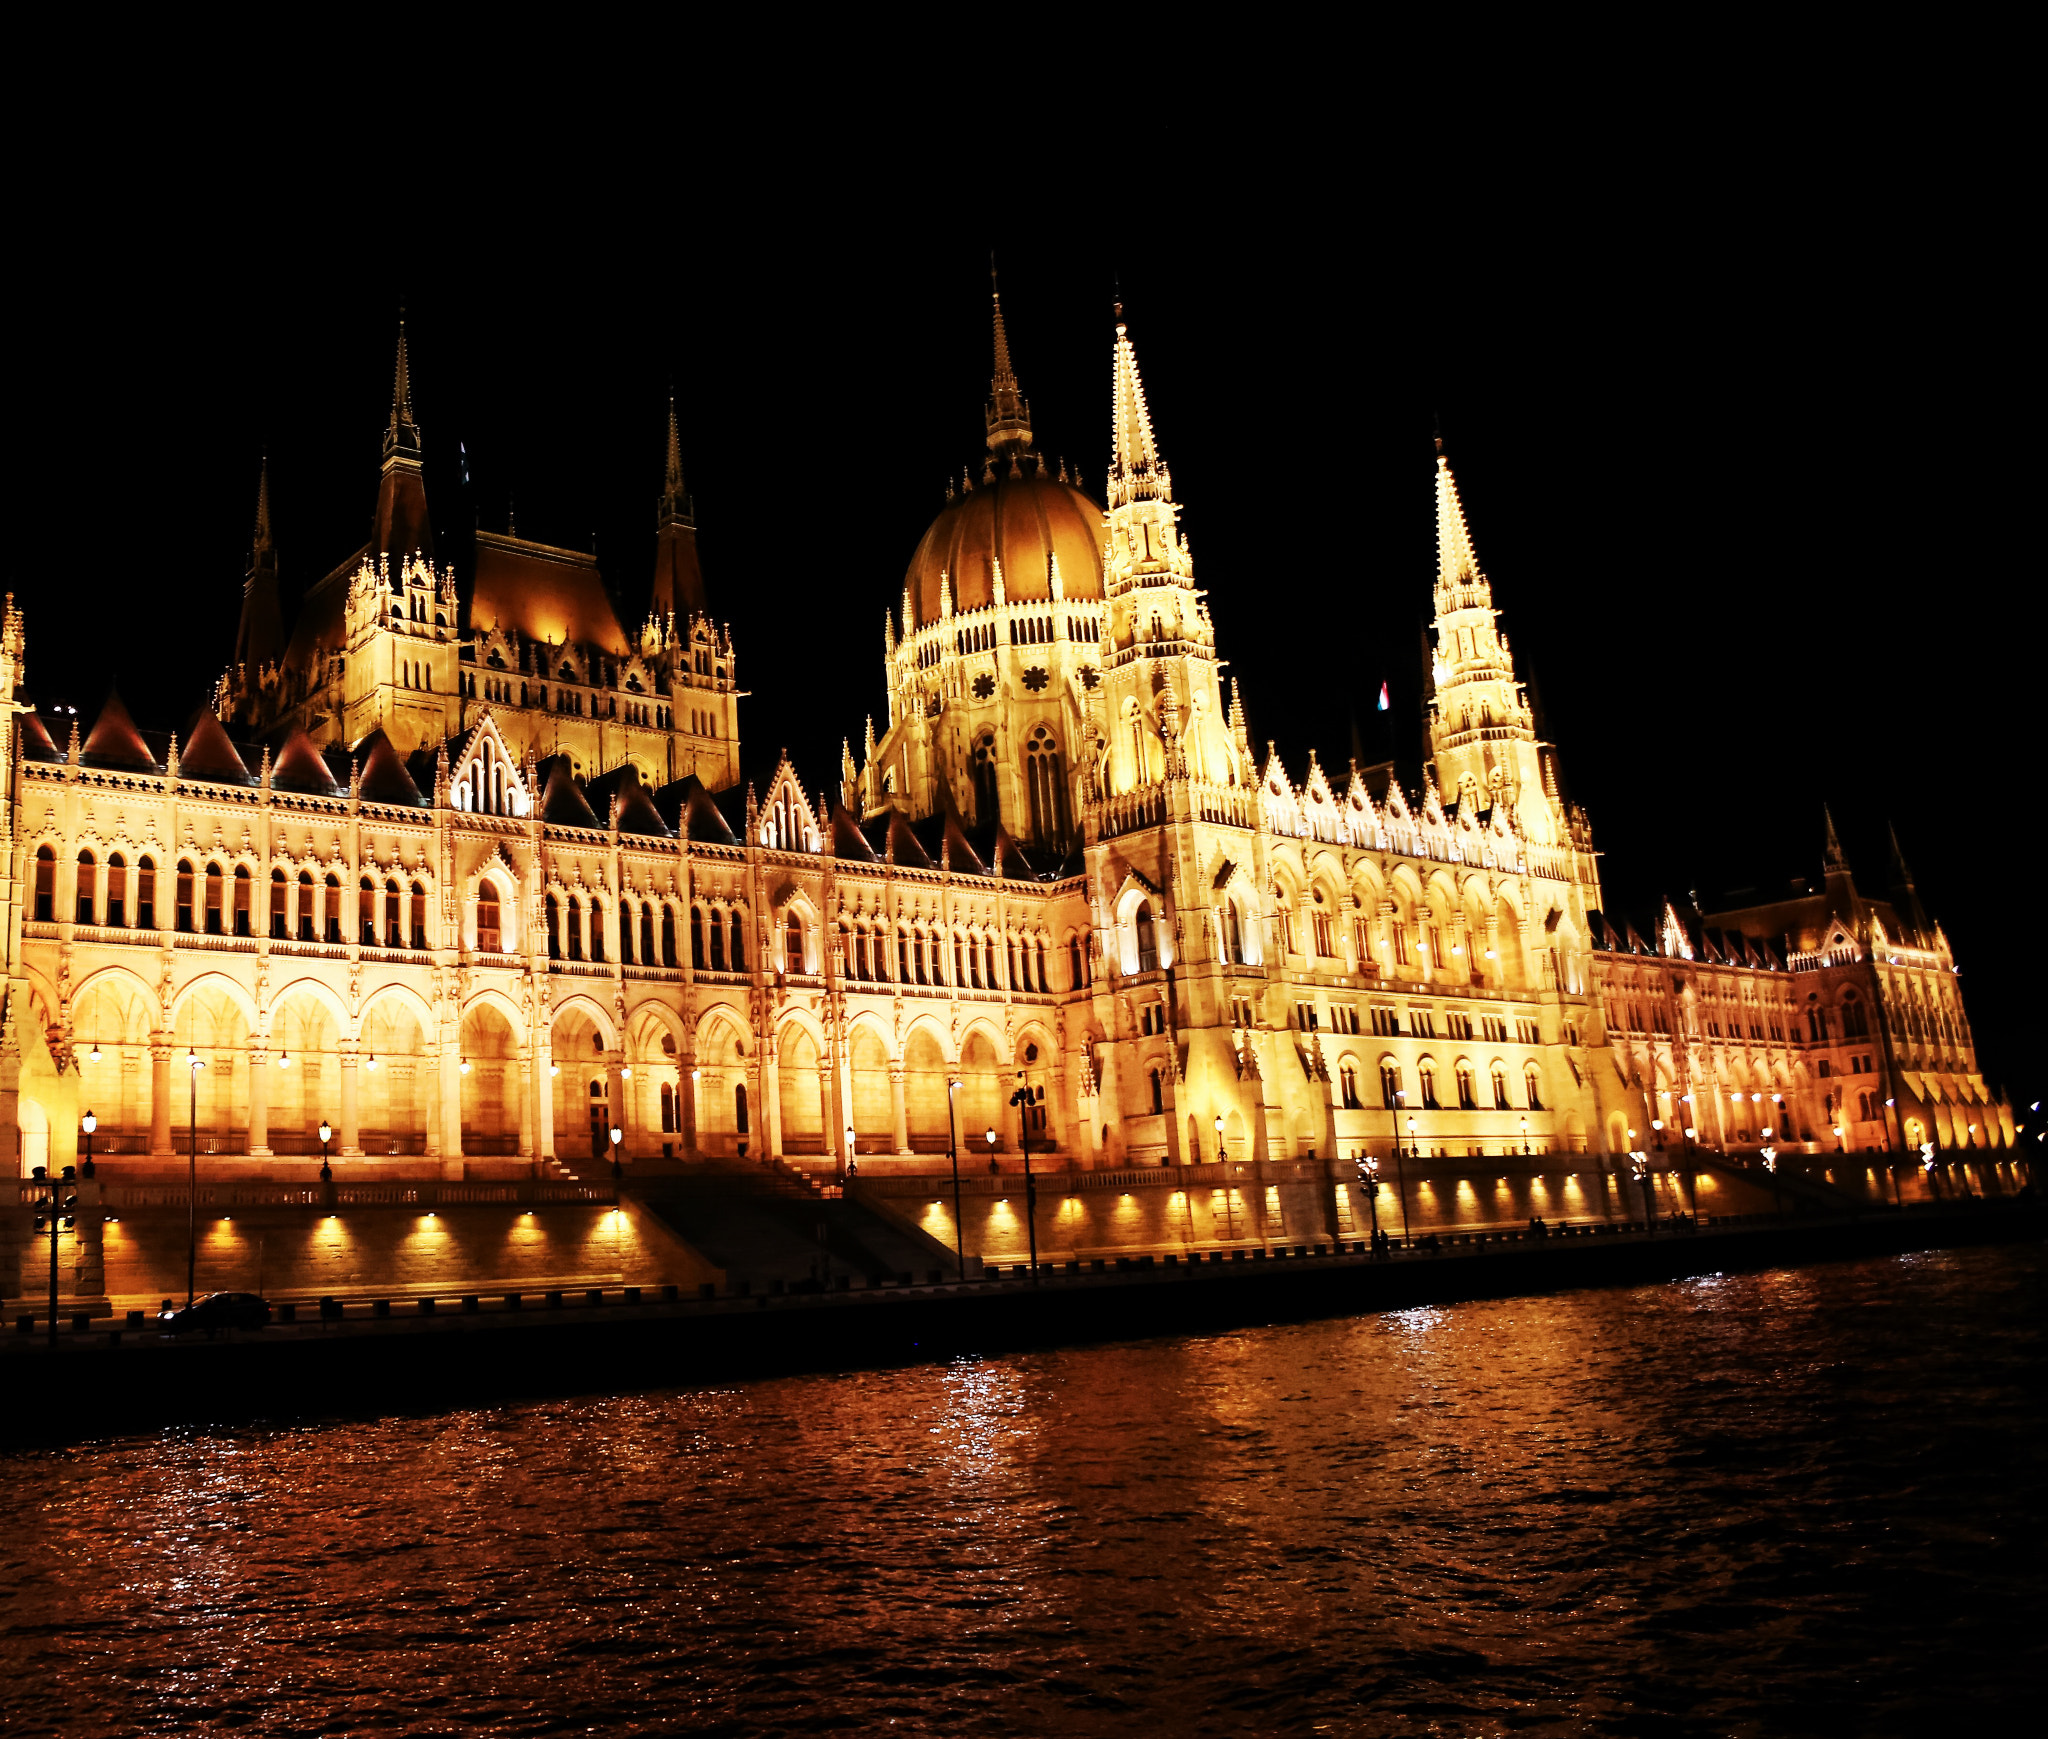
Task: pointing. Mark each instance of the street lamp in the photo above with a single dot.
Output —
(1525, 1138)
(992, 1152)
(1369, 1169)
(953, 1151)
(194, 1062)
(1640, 1164)
(1026, 1099)
(88, 1123)
(618, 1135)
(1222, 1157)
(326, 1135)
(61, 1213)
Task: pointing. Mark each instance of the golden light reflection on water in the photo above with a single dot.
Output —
(1454, 1517)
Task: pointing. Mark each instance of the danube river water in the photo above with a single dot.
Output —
(1801, 1501)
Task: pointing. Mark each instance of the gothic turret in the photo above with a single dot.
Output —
(678, 578)
(402, 527)
(1009, 412)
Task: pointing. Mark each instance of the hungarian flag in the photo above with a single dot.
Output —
(1383, 697)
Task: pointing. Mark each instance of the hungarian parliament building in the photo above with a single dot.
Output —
(475, 874)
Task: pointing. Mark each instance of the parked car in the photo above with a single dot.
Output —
(219, 1310)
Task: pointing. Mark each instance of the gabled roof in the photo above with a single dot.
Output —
(384, 778)
(208, 755)
(846, 837)
(299, 767)
(636, 811)
(894, 840)
(562, 802)
(115, 742)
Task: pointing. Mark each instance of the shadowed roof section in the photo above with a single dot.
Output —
(115, 742)
(208, 755)
(562, 803)
(299, 767)
(893, 838)
(691, 811)
(35, 740)
(548, 594)
(635, 811)
(384, 778)
(847, 839)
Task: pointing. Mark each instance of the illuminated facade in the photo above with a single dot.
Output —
(471, 872)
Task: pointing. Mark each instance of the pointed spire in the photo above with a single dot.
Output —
(1457, 563)
(1009, 413)
(260, 539)
(1136, 470)
(259, 637)
(1836, 861)
(401, 434)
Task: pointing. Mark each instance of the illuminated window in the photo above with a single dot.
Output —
(487, 932)
(215, 898)
(88, 892)
(117, 891)
(278, 894)
(308, 931)
(145, 895)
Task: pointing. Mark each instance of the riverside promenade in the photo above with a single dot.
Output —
(357, 1353)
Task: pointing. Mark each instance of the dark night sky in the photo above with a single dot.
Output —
(1738, 461)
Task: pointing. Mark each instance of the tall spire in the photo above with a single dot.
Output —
(401, 434)
(1009, 412)
(1836, 861)
(1136, 471)
(678, 576)
(1457, 563)
(259, 637)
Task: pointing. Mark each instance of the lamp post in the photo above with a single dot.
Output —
(326, 1135)
(992, 1166)
(61, 1212)
(617, 1135)
(194, 1062)
(1525, 1138)
(953, 1151)
(1692, 1172)
(1640, 1164)
(88, 1123)
(852, 1164)
(1025, 1098)
(1370, 1168)
(1223, 1159)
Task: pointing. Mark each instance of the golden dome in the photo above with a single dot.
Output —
(1021, 521)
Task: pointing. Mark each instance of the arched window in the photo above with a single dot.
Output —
(418, 916)
(215, 898)
(1045, 778)
(1468, 1099)
(987, 805)
(1855, 1017)
(187, 918)
(739, 1108)
(308, 930)
(332, 894)
(1158, 1095)
(46, 885)
(243, 895)
(394, 916)
(487, 930)
(1148, 941)
(668, 935)
(793, 942)
(647, 954)
(902, 956)
(739, 942)
(1426, 1070)
(117, 892)
(88, 891)
(1233, 928)
(1500, 1087)
(279, 893)
(668, 1109)
(717, 929)
(626, 933)
(575, 928)
(1348, 1076)
(1532, 1078)
(554, 922)
(1074, 962)
(597, 929)
(145, 894)
(1390, 1083)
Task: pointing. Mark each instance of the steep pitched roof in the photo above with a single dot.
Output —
(562, 802)
(35, 740)
(847, 839)
(115, 742)
(299, 767)
(384, 777)
(208, 755)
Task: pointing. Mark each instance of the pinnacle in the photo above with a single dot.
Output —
(1457, 563)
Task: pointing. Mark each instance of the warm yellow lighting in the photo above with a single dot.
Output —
(284, 1059)
(371, 1061)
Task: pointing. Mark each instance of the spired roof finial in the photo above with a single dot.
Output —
(402, 434)
(1836, 861)
(1457, 563)
(1009, 412)
(1136, 470)
(261, 540)
(676, 505)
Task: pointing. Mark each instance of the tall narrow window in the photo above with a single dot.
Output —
(1428, 1074)
(214, 899)
(717, 927)
(88, 890)
(668, 1109)
(331, 895)
(793, 942)
(1234, 926)
(647, 954)
(1467, 1100)
(145, 895)
(1148, 941)
(244, 894)
(739, 1108)
(278, 894)
(668, 936)
(1500, 1088)
(394, 916)
(739, 941)
(117, 892)
(626, 933)
(307, 922)
(597, 929)
(46, 885)
(902, 957)
(1390, 1085)
(487, 931)
(1533, 1079)
(418, 916)
(1045, 775)
(575, 928)
(1074, 962)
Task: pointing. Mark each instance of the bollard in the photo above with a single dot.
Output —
(80, 1323)
(1172, 1261)
(330, 1310)
(471, 1304)
(632, 1295)
(381, 1307)
(554, 1301)
(1073, 1267)
(513, 1301)
(593, 1296)
(935, 1276)
(136, 1318)
(1099, 1265)
(426, 1307)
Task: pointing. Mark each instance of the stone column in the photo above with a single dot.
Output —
(771, 1106)
(259, 1102)
(160, 1095)
(523, 1073)
(350, 1144)
(898, 1107)
(542, 1087)
(10, 1118)
(828, 1114)
(621, 1094)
